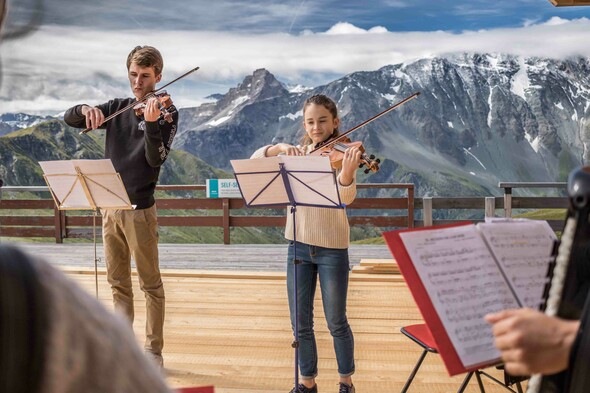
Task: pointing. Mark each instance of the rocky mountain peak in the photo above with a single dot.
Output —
(258, 86)
(480, 118)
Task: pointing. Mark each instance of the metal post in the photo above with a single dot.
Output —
(427, 211)
(508, 202)
(490, 207)
(225, 206)
(411, 207)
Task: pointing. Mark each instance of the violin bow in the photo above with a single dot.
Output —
(340, 137)
(144, 99)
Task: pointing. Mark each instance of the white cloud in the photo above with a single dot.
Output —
(556, 21)
(343, 28)
(56, 66)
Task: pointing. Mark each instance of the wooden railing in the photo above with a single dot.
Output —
(490, 205)
(48, 221)
(224, 213)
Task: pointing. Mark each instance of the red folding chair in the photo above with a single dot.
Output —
(421, 335)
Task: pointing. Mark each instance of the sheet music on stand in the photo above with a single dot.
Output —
(289, 181)
(311, 181)
(86, 185)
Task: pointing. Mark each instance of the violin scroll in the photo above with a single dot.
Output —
(371, 162)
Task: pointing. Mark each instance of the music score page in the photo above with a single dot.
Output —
(465, 282)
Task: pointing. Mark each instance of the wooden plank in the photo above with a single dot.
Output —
(379, 203)
(10, 204)
(27, 231)
(257, 221)
(27, 220)
(379, 221)
(235, 334)
(184, 221)
(377, 262)
(377, 266)
(540, 203)
(189, 203)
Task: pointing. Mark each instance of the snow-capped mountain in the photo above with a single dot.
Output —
(480, 119)
(16, 121)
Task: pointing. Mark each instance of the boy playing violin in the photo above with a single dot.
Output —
(322, 247)
(137, 146)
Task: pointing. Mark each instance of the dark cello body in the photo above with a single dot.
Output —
(567, 294)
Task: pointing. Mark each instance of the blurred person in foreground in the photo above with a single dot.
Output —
(56, 338)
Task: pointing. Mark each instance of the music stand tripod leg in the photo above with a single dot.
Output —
(296, 263)
(95, 256)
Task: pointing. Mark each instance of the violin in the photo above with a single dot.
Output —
(160, 93)
(335, 152)
(335, 148)
(164, 104)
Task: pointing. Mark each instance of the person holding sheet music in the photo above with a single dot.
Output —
(138, 145)
(322, 247)
(532, 342)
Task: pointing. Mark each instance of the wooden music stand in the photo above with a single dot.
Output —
(86, 185)
(288, 181)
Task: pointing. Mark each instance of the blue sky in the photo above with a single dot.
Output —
(294, 16)
(77, 49)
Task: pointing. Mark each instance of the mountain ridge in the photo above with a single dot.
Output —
(481, 118)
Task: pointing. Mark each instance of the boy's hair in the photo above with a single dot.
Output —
(326, 102)
(146, 56)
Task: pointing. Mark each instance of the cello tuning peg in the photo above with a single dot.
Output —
(372, 156)
(367, 171)
(361, 164)
(378, 161)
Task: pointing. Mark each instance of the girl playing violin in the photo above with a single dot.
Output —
(322, 247)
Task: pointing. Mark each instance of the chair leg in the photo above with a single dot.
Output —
(507, 387)
(414, 371)
(479, 382)
(465, 382)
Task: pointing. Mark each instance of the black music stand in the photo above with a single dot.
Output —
(288, 181)
(86, 185)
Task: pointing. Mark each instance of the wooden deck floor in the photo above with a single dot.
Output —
(231, 329)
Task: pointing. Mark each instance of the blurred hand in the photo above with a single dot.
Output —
(531, 342)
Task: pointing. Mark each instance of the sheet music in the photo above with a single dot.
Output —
(464, 284)
(63, 180)
(311, 180)
(103, 184)
(523, 250)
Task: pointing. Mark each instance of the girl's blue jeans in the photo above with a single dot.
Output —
(332, 267)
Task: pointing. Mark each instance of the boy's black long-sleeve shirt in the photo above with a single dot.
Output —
(137, 148)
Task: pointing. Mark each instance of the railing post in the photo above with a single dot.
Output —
(508, 202)
(225, 205)
(427, 211)
(411, 207)
(490, 207)
(59, 225)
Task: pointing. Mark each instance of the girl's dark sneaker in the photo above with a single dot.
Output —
(303, 389)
